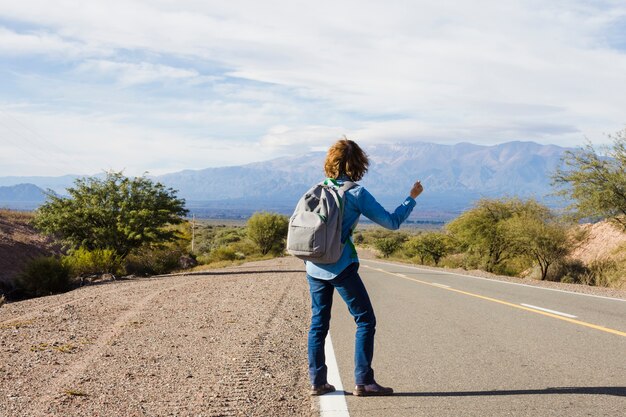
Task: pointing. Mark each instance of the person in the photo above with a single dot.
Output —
(346, 161)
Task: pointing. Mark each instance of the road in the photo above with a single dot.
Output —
(453, 345)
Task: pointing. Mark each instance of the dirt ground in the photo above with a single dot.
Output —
(219, 343)
(603, 240)
(19, 243)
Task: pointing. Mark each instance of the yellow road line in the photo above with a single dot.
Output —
(506, 303)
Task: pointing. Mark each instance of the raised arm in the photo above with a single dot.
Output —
(372, 209)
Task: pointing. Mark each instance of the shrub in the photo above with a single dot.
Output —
(44, 276)
(115, 212)
(227, 236)
(370, 236)
(83, 262)
(434, 245)
(386, 246)
(153, 260)
(568, 270)
(224, 253)
(601, 273)
(268, 231)
(455, 260)
(245, 247)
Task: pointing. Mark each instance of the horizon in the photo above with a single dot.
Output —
(408, 143)
(139, 86)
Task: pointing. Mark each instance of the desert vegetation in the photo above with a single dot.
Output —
(262, 237)
(114, 226)
(516, 237)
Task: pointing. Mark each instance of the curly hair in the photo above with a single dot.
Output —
(346, 157)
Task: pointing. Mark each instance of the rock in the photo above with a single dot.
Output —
(187, 261)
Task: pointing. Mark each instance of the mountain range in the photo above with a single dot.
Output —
(454, 177)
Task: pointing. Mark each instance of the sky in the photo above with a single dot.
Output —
(160, 86)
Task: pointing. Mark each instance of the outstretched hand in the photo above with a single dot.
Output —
(416, 190)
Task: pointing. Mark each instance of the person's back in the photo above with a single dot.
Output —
(346, 161)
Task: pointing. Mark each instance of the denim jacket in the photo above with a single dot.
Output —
(359, 201)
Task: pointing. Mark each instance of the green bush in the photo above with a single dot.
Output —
(153, 260)
(268, 231)
(600, 273)
(370, 236)
(428, 245)
(83, 262)
(114, 212)
(455, 260)
(227, 236)
(44, 276)
(245, 247)
(386, 246)
(224, 253)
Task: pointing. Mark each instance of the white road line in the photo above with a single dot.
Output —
(495, 280)
(333, 404)
(549, 311)
(440, 285)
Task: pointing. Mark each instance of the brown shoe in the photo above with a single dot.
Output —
(322, 389)
(371, 390)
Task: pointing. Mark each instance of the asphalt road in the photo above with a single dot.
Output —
(452, 345)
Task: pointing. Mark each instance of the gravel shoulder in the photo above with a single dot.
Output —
(218, 343)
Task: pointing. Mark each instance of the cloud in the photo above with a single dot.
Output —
(61, 143)
(281, 76)
(13, 43)
(135, 73)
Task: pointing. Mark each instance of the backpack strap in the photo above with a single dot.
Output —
(341, 190)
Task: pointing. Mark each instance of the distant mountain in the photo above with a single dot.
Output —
(454, 176)
(56, 184)
(21, 196)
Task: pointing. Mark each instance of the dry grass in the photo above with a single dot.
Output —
(66, 348)
(15, 324)
(39, 347)
(227, 264)
(17, 216)
(75, 393)
(20, 242)
(599, 241)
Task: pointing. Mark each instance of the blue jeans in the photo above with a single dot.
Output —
(349, 285)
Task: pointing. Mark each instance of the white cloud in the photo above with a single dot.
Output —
(132, 73)
(400, 70)
(298, 140)
(60, 143)
(43, 43)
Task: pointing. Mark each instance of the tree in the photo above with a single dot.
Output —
(115, 212)
(596, 183)
(539, 236)
(479, 229)
(387, 245)
(268, 231)
(415, 246)
(434, 245)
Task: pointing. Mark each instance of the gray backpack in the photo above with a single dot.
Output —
(315, 227)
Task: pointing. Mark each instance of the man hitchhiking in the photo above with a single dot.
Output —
(345, 164)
